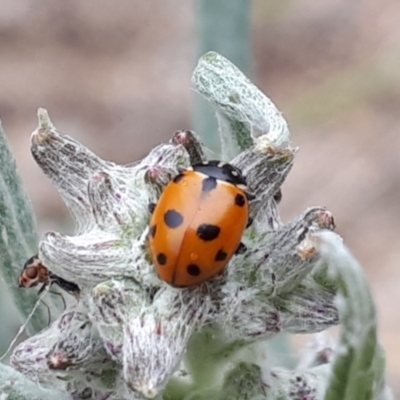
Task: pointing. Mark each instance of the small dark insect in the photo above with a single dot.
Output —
(35, 272)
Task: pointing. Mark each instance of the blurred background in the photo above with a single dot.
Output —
(117, 78)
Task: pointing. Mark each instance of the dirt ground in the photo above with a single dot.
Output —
(117, 78)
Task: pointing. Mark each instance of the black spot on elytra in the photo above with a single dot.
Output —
(153, 230)
(208, 232)
(221, 255)
(173, 219)
(178, 178)
(161, 258)
(208, 184)
(240, 200)
(193, 270)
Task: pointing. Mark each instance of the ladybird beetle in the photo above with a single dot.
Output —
(35, 272)
(198, 223)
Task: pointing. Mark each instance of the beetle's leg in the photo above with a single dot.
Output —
(151, 207)
(249, 222)
(62, 298)
(241, 248)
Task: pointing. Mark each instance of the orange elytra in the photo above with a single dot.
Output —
(198, 223)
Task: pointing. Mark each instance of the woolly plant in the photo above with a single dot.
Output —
(129, 335)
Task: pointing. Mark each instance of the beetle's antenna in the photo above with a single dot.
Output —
(23, 326)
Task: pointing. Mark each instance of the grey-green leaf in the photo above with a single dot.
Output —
(18, 238)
